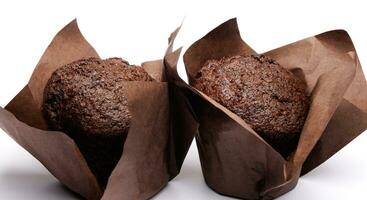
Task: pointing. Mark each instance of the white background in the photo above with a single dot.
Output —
(138, 31)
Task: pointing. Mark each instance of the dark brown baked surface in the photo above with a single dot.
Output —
(86, 99)
(268, 97)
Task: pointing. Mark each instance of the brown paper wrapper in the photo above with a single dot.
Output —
(234, 159)
(153, 152)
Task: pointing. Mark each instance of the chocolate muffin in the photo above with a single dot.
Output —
(265, 95)
(86, 99)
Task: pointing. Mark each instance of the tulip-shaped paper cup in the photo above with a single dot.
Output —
(235, 160)
(150, 155)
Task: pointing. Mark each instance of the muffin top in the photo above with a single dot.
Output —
(88, 96)
(268, 97)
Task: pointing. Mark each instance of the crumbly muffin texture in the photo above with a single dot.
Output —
(272, 100)
(86, 99)
(88, 95)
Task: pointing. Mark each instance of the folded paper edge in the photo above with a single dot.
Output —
(33, 82)
(96, 189)
(340, 31)
(97, 192)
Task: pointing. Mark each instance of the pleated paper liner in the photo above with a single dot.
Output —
(153, 151)
(235, 160)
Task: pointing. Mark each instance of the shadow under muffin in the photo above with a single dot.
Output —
(86, 99)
